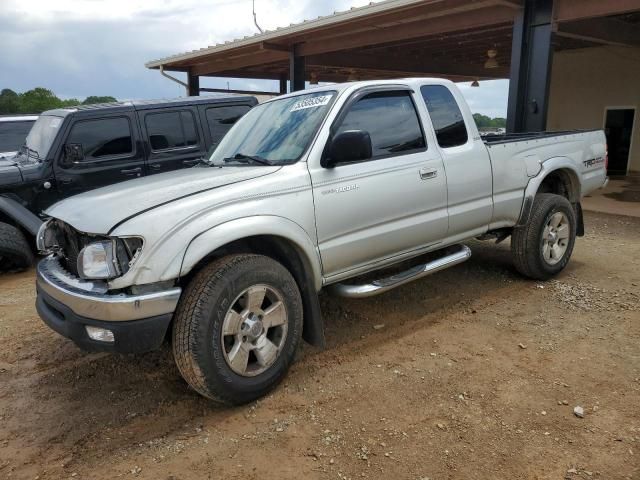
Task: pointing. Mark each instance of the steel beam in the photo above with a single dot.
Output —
(193, 85)
(531, 55)
(296, 69)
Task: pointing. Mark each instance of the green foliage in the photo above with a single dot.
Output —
(40, 99)
(94, 99)
(482, 121)
(9, 101)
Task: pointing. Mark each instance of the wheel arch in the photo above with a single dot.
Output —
(272, 236)
(557, 175)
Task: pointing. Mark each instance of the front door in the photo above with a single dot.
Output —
(110, 154)
(618, 128)
(394, 203)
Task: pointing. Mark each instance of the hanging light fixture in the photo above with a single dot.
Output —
(313, 78)
(475, 83)
(491, 62)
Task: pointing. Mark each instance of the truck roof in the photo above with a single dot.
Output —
(339, 87)
(150, 104)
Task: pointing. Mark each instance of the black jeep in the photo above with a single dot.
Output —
(72, 150)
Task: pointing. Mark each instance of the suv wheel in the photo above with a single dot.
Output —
(237, 328)
(15, 253)
(543, 247)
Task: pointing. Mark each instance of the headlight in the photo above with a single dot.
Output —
(97, 261)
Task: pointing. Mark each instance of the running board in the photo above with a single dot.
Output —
(382, 285)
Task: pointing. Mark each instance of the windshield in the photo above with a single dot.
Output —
(42, 134)
(12, 134)
(276, 132)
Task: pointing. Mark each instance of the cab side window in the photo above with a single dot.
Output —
(221, 119)
(391, 120)
(445, 115)
(100, 138)
(168, 130)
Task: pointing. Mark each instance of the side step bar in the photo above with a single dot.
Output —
(382, 285)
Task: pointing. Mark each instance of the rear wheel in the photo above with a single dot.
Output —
(237, 328)
(15, 253)
(543, 247)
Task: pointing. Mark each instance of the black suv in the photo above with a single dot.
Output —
(72, 150)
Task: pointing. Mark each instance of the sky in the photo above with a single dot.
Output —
(78, 48)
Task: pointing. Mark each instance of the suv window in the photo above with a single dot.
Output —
(221, 119)
(105, 137)
(445, 115)
(168, 130)
(12, 134)
(391, 120)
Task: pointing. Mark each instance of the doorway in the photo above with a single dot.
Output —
(618, 127)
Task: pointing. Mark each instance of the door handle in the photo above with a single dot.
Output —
(132, 171)
(427, 173)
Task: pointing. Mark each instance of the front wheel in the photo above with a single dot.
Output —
(237, 328)
(543, 247)
(15, 253)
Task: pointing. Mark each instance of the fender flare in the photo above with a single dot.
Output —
(309, 279)
(19, 214)
(546, 168)
(220, 235)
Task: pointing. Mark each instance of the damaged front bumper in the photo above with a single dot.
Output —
(68, 305)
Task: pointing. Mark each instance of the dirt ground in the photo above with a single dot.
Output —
(470, 374)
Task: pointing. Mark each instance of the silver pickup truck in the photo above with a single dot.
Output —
(307, 191)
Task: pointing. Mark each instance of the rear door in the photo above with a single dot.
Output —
(112, 153)
(172, 138)
(466, 161)
(391, 204)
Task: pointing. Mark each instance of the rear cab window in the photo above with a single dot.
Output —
(446, 116)
(391, 120)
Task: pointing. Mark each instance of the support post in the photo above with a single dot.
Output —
(296, 70)
(530, 76)
(193, 85)
(283, 83)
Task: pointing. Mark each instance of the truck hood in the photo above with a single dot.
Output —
(98, 211)
(9, 171)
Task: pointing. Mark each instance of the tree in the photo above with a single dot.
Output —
(9, 101)
(40, 99)
(94, 99)
(482, 121)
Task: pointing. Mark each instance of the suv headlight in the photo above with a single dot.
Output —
(108, 259)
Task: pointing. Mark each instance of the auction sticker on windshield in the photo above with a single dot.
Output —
(311, 102)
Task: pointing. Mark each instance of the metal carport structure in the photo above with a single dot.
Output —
(456, 39)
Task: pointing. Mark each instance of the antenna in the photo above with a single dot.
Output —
(255, 20)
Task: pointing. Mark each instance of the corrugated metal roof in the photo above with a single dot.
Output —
(294, 28)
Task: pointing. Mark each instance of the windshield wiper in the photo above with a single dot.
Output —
(241, 157)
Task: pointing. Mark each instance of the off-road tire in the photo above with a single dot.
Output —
(197, 327)
(526, 241)
(15, 253)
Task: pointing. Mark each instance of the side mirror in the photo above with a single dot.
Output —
(73, 153)
(348, 146)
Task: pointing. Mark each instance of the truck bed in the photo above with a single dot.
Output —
(495, 138)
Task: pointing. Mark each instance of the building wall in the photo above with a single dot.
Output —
(584, 82)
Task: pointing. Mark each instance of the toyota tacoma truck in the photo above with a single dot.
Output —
(308, 191)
